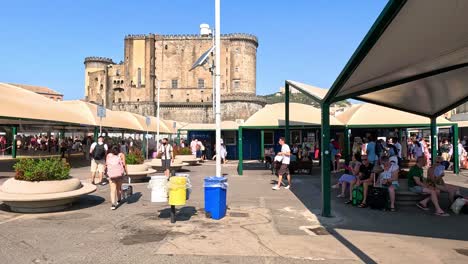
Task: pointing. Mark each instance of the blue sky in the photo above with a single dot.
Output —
(45, 42)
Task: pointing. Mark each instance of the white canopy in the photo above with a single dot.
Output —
(414, 54)
(300, 115)
(225, 125)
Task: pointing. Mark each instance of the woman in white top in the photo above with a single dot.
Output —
(389, 179)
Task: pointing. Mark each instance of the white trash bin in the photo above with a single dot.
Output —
(158, 186)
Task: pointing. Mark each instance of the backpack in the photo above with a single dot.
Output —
(358, 195)
(99, 152)
(114, 166)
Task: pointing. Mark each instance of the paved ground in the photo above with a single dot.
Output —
(262, 226)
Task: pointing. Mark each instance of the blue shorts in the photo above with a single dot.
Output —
(416, 189)
(395, 185)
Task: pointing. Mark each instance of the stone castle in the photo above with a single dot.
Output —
(185, 95)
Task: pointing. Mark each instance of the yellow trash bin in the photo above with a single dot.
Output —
(177, 190)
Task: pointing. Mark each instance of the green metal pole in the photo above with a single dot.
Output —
(326, 158)
(456, 158)
(96, 133)
(347, 153)
(178, 137)
(14, 146)
(433, 139)
(240, 166)
(286, 113)
(262, 144)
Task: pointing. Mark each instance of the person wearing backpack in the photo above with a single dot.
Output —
(116, 169)
(167, 156)
(98, 152)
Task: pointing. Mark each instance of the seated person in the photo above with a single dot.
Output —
(366, 178)
(416, 184)
(389, 179)
(350, 179)
(435, 175)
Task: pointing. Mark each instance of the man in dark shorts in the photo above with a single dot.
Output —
(366, 178)
(167, 156)
(284, 169)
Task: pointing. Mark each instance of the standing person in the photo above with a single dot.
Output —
(399, 149)
(123, 147)
(202, 150)
(370, 150)
(98, 152)
(116, 167)
(193, 146)
(418, 150)
(461, 152)
(182, 143)
(167, 156)
(284, 169)
(223, 154)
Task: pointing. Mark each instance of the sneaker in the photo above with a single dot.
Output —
(113, 207)
(275, 188)
(287, 187)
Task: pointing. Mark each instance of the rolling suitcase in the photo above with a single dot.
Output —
(377, 197)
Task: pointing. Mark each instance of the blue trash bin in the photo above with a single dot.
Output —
(215, 196)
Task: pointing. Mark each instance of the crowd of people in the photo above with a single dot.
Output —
(377, 164)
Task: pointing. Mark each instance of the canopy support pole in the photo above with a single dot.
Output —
(433, 139)
(326, 160)
(240, 166)
(262, 144)
(14, 146)
(456, 158)
(347, 142)
(96, 133)
(286, 113)
(178, 138)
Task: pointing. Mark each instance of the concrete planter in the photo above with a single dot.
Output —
(191, 160)
(43, 196)
(157, 165)
(139, 172)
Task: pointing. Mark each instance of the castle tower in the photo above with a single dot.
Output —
(96, 89)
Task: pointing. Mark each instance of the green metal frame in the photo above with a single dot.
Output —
(14, 146)
(240, 150)
(347, 143)
(326, 158)
(456, 158)
(96, 133)
(262, 144)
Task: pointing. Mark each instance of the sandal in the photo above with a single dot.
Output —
(442, 214)
(392, 210)
(362, 205)
(422, 207)
(340, 196)
(348, 202)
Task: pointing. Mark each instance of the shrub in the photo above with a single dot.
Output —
(182, 151)
(134, 157)
(53, 169)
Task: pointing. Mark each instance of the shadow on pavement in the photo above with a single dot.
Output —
(134, 198)
(182, 214)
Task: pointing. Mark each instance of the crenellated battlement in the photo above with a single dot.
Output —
(98, 59)
(230, 36)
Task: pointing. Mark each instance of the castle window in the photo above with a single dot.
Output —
(120, 100)
(96, 79)
(172, 96)
(136, 106)
(202, 100)
(174, 84)
(201, 83)
(237, 69)
(101, 86)
(117, 72)
(165, 47)
(138, 100)
(113, 101)
(188, 100)
(236, 84)
(139, 77)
